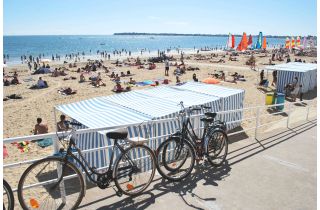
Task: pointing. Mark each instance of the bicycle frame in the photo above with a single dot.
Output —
(84, 163)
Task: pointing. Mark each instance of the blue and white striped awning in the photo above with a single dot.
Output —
(99, 112)
(293, 66)
(213, 90)
(175, 95)
(149, 104)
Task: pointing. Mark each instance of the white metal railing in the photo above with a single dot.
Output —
(54, 136)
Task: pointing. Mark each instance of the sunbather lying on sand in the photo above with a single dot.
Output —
(6, 82)
(118, 88)
(131, 81)
(67, 91)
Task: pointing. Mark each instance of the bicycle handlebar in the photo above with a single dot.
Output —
(75, 124)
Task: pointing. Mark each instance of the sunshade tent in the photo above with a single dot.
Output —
(306, 73)
(135, 107)
(230, 99)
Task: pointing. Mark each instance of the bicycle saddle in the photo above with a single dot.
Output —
(121, 133)
(207, 119)
(211, 114)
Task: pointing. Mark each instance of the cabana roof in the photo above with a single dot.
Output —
(147, 104)
(99, 112)
(293, 66)
(176, 95)
(212, 90)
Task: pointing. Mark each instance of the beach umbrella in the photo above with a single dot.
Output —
(243, 43)
(250, 41)
(264, 44)
(293, 43)
(148, 82)
(210, 81)
(45, 60)
(233, 42)
(304, 42)
(298, 41)
(259, 41)
(287, 43)
(229, 42)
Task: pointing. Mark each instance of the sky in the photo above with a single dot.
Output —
(102, 17)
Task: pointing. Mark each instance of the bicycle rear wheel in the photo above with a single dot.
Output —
(134, 170)
(51, 183)
(175, 159)
(217, 147)
(8, 198)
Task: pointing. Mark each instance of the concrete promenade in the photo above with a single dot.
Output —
(277, 171)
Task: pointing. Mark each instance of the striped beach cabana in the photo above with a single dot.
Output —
(286, 72)
(135, 107)
(230, 99)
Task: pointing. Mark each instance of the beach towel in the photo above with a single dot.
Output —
(45, 142)
(23, 146)
(140, 84)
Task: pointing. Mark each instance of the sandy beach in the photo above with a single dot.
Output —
(20, 114)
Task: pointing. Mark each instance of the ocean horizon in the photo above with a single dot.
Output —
(17, 45)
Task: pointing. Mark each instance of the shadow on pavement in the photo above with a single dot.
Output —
(203, 172)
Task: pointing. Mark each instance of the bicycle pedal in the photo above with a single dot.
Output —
(119, 193)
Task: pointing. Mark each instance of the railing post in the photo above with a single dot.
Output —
(55, 140)
(257, 122)
(308, 110)
(289, 112)
(61, 185)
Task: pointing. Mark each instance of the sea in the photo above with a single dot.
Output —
(16, 46)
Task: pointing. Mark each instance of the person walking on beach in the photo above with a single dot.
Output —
(166, 73)
(40, 128)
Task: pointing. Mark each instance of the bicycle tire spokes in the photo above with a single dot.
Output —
(135, 170)
(47, 183)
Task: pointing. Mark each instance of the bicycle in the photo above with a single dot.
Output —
(176, 156)
(60, 184)
(8, 198)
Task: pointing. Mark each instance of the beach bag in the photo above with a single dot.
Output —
(165, 81)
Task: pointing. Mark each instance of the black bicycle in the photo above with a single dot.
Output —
(176, 156)
(57, 183)
(8, 198)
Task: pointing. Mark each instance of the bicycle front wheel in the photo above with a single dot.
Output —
(175, 159)
(134, 170)
(51, 183)
(217, 147)
(8, 199)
